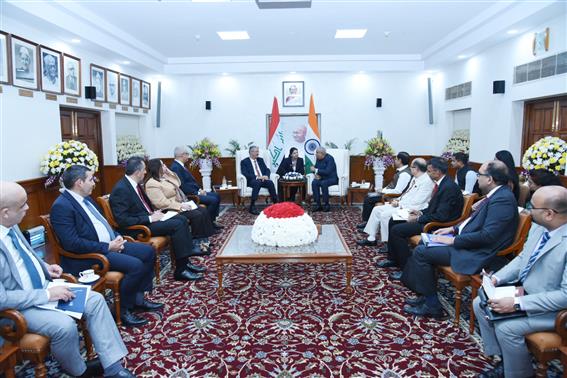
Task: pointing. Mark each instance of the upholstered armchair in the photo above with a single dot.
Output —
(244, 191)
(342, 161)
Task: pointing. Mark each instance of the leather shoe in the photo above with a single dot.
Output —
(198, 252)
(94, 369)
(217, 225)
(424, 310)
(148, 306)
(396, 276)
(326, 208)
(253, 210)
(318, 208)
(361, 231)
(131, 320)
(361, 225)
(385, 264)
(382, 249)
(187, 275)
(417, 301)
(124, 373)
(366, 242)
(496, 372)
(196, 268)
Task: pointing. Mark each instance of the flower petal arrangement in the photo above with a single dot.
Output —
(128, 146)
(547, 153)
(63, 155)
(205, 150)
(378, 148)
(459, 142)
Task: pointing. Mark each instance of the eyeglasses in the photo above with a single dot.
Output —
(482, 174)
(548, 208)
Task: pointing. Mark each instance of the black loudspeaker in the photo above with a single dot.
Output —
(208, 105)
(90, 93)
(378, 102)
(499, 86)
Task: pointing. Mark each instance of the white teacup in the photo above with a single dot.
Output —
(87, 274)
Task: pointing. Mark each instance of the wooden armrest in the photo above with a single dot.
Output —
(560, 326)
(145, 235)
(100, 270)
(69, 277)
(436, 225)
(129, 238)
(17, 326)
(386, 197)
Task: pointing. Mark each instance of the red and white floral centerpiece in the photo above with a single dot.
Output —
(284, 225)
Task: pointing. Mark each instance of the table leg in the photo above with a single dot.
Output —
(348, 275)
(220, 291)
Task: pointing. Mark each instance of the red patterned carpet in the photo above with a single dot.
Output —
(295, 321)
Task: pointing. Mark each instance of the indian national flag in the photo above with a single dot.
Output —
(313, 137)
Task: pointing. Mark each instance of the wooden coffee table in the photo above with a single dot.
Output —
(330, 247)
(288, 184)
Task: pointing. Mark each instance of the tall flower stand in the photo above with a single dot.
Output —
(206, 167)
(378, 173)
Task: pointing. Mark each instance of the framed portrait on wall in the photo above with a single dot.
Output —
(24, 63)
(124, 89)
(4, 58)
(146, 95)
(136, 92)
(71, 75)
(50, 62)
(98, 80)
(292, 93)
(112, 86)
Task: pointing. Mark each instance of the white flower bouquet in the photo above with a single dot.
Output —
(459, 142)
(128, 146)
(547, 153)
(284, 225)
(63, 155)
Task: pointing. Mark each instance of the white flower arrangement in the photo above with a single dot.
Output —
(63, 155)
(128, 146)
(284, 232)
(547, 153)
(459, 142)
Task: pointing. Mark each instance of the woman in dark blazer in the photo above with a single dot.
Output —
(292, 163)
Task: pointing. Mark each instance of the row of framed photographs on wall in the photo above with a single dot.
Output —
(26, 64)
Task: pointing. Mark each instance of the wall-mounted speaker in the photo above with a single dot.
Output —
(499, 86)
(378, 102)
(90, 93)
(208, 105)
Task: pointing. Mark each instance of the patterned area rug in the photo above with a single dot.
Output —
(295, 320)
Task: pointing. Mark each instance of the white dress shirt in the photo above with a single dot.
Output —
(403, 181)
(100, 228)
(470, 180)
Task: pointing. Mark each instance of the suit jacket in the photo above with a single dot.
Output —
(546, 282)
(12, 294)
(188, 183)
(163, 194)
(286, 166)
(446, 205)
(247, 169)
(489, 230)
(418, 194)
(327, 169)
(126, 205)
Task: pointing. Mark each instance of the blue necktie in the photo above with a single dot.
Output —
(97, 215)
(534, 256)
(28, 263)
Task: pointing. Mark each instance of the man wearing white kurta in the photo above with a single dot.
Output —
(416, 197)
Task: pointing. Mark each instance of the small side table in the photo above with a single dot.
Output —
(232, 191)
(288, 184)
(352, 191)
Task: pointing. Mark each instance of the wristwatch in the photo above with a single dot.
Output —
(517, 307)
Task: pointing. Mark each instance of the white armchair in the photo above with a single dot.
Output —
(245, 191)
(342, 161)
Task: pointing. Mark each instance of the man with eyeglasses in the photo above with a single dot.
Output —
(541, 268)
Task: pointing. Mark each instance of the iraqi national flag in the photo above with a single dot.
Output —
(276, 141)
(313, 137)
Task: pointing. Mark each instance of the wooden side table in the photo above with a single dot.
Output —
(352, 191)
(232, 191)
(287, 185)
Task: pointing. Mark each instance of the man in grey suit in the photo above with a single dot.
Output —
(23, 286)
(541, 268)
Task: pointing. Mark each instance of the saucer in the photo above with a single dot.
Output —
(89, 279)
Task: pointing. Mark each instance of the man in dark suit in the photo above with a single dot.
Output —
(131, 206)
(189, 185)
(446, 204)
(469, 246)
(257, 176)
(81, 228)
(325, 171)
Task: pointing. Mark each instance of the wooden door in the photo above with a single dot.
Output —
(84, 126)
(547, 117)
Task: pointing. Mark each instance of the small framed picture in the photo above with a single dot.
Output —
(112, 86)
(124, 89)
(24, 63)
(71, 75)
(98, 80)
(292, 93)
(4, 58)
(146, 95)
(136, 92)
(50, 66)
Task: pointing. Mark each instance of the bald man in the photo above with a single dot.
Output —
(24, 278)
(541, 268)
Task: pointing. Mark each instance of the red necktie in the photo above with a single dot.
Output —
(435, 189)
(141, 195)
(257, 169)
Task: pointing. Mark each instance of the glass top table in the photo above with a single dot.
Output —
(239, 248)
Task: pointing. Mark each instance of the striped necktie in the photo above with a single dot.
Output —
(533, 257)
(28, 262)
(100, 218)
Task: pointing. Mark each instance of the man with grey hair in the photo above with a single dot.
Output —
(190, 186)
(257, 176)
(325, 171)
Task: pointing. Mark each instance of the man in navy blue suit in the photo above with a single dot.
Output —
(81, 228)
(325, 175)
(189, 185)
(257, 176)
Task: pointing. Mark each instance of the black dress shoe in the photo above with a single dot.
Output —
(187, 275)
(199, 252)
(385, 264)
(382, 249)
(496, 372)
(148, 306)
(417, 301)
(131, 320)
(326, 208)
(124, 373)
(196, 268)
(253, 210)
(318, 208)
(395, 276)
(361, 225)
(361, 231)
(217, 225)
(424, 310)
(94, 369)
(366, 242)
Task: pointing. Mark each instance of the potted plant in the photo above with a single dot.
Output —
(128, 146)
(547, 153)
(205, 154)
(63, 155)
(379, 155)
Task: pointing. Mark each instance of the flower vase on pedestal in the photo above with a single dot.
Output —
(206, 167)
(378, 173)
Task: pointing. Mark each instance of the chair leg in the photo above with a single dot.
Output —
(116, 294)
(157, 269)
(541, 371)
(40, 370)
(88, 342)
(474, 293)
(458, 298)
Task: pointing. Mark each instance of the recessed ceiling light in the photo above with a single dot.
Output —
(350, 33)
(293, 72)
(125, 62)
(233, 35)
(76, 40)
(361, 72)
(513, 31)
(225, 74)
(462, 56)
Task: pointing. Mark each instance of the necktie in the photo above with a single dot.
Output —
(98, 216)
(534, 256)
(141, 195)
(257, 169)
(412, 183)
(28, 263)
(435, 189)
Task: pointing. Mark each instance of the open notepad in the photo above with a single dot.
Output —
(428, 240)
(74, 307)
(489, 291)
